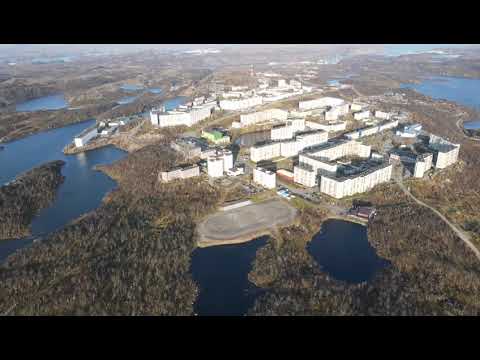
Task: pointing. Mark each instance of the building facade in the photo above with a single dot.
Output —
(241, 103)
(339, 187)
(179, 173)
(263, 116)
(265, 178)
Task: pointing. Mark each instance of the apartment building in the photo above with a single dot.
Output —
(265, 178)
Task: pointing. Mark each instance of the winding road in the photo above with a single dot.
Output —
(460, 233)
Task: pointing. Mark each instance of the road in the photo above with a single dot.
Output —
(461, 130)
(461, 234)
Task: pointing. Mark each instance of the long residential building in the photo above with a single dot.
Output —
(263, 116)
(340, 148)
(84, 137)
(287, 148)
(288, 129)
(320, 102)
(361, 115)
(179, 173)
(423, 164)
(331, 126)
(335, 112)
(187, 116)
(371, 130)
(339, 187)
(445, 152)
(241, 104)
(264, 177)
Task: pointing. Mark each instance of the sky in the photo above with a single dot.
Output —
(61, 49)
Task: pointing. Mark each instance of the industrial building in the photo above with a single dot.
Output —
(339, 187)
(263, 116)
(183, 115)
(179, 173)
(265, 178)
(85, 136)
(241, 104)
(321, 102)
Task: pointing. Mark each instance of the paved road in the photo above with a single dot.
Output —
(461, 234)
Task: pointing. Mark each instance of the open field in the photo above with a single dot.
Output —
(239, 225)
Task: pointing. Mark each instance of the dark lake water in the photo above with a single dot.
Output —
(174, 103)
(342, 250)
(221, 273)
(82, 190)
(472, 125)
(249, 139)
(460, 90)
(52, 102)
(155, 90)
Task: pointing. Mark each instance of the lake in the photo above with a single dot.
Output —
(130, 87)
(342, 250)
(51, 102)
(82, 190)
(221, 273)
(460, 90)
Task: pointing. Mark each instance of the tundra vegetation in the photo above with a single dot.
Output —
(21, 199)
(431, 272)
(129, 257)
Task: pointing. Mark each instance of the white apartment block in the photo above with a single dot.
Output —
(287, 148)
(382, 115)
(265, 178)
(356, 134)
(447, 156)
(335, 112)
(85, 137)
(281, 132)
(187, 116)
(265, 151)
(361, 115)
(219, 162)
(336, 150)
(318, 163)
(358, 183)
(305, 175)
(288, 130)
(281, 83)
(321, 102)
(215, 166)
(241, 103)
(311, 138)
(422, 165)
(263, 116)
(328, 127)
(180, 173)
(357, 106)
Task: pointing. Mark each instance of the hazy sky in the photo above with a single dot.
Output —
(54, 49)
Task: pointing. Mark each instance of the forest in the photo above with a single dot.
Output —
(21, 199)
(431, 272)
(129, 257)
